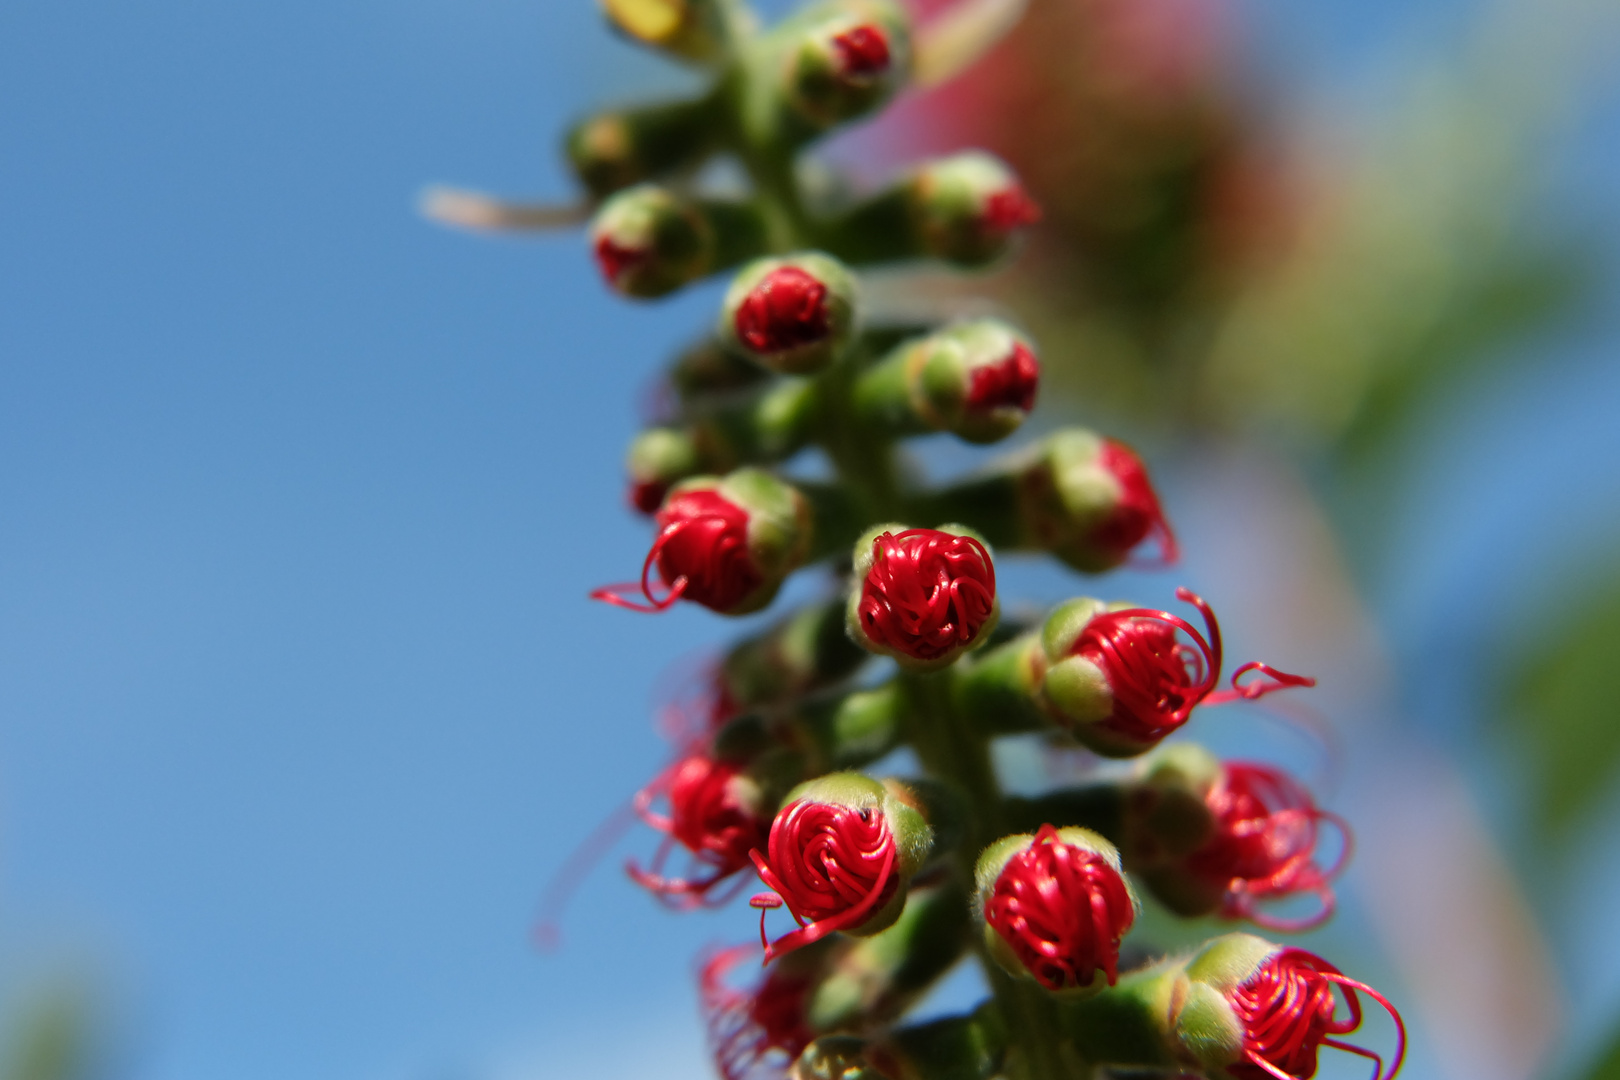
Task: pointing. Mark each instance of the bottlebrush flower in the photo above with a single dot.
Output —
(977, 380)
(716, 812)
(1120, 678)
(1055, 906)
(922, 596)
(792, 315)
(840, 852)
(1088, 500)
(967, 209)
(848, 64)
(1256, 1011)
(1221, 838)
(724, 543)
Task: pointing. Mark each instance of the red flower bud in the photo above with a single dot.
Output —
(1264, 845)
(1011, 382)
(1009, 209)
(786, 309)
(925, 595)
(1062, 910)
(1137, 513)
(1154, 678)
(833, 866)
(758, 1032)
(862, 52)
(701, 552)
(1286, 1011)
(714, 814)
(617, 261)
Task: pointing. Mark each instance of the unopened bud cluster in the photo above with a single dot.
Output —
(878, 885)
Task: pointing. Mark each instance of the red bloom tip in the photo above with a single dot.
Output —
(1156, 679)
(760, 1031)
(647, 496)
(702, 555)
(927, 593)
(1011, 382)
(1137, 514)
(708, 816)
(1264, 846)
(1010, 208)
(833, 866)
(862, 52)
(1286, 1009)
(787, 309)
(617, 260)
(1063, 910)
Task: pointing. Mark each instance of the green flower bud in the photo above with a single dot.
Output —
(613, 150)
(807, 650)
(975, 379)
(658, 458)
(844, 60)
(792, 315)
(967, 209)
(649, 242)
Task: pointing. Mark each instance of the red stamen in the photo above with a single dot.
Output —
(708, 818)
(862, 52)
(1137, 514)
(701, 552)
(1286, 1009)
(1156, 680)
(547, 932)
(831, 865)
(616, 260)
(927, 593)
(1063, 910)
(1009, 383)
(1010, 208)
(788, 308)
(1254, 691)
(1264, 846)
(754, 1033)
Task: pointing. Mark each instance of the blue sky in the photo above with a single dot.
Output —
(300, 698)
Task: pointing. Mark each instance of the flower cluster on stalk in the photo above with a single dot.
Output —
(890, 881)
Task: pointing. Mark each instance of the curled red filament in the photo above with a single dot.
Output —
(787, 309)
(709, 817)
(862, 52)
(1063, 910)
(1286, 1009)
(1137, 515)
(1008, 209)
(760, 1031)
(1156, 679)
(616, 259)
(1010, 382)
(702, 555)
(927, 593)
(832, 866)
(1264, 846)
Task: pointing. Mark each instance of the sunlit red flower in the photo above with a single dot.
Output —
(701, 553)
(927, 594)
(787, 309)
(1062, 909)
(713, 813)
(1011, 382)
(833, 866)
(1287, 1011)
